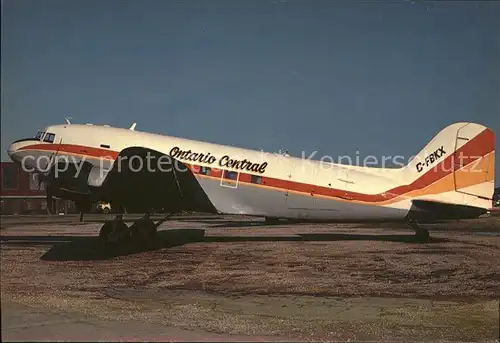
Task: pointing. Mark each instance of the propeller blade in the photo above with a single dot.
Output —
(49, 204)
(41, 180)
(50, 201)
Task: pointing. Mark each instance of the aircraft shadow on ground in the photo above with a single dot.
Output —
(231, 223)
(88, 248)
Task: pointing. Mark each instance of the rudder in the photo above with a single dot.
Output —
(474, 161)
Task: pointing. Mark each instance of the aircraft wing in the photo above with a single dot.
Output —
(134, 186)
(173, 187)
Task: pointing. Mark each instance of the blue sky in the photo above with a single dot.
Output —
(337, 77)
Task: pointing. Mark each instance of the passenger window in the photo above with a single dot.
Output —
(231, 175)
(257, 179)
(105, 146)
(205, 170)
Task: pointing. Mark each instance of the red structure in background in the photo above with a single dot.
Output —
(20, 192)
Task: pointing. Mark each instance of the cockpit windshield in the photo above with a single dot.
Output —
(46, 136)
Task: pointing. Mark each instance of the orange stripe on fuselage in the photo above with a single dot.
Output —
(445, 184)
(477, 148)
(79, 150)
(470, 175)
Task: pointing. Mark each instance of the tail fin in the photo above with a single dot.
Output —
(457, 166)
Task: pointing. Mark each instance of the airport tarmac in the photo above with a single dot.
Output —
(229, 279)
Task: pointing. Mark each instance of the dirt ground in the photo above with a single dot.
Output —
(296, 282)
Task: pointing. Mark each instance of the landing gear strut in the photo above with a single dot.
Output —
(420, 233)
(83, 207)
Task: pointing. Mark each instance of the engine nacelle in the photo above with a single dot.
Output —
(76, 178)
(79, 182)
(96, 176)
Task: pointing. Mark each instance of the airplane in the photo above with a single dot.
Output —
(451, 178)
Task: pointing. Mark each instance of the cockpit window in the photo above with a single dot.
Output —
(49, 137)
(39, 135)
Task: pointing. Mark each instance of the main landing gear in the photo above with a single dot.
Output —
(141, 231)
(421, 234)
(115, 231)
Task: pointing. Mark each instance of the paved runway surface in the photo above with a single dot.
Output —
(212, 278)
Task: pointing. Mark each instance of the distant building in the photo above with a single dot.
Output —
(20, 192)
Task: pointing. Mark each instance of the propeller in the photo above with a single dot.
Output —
(52, 184)
(51, 201)
(44, 179)
(47, 179)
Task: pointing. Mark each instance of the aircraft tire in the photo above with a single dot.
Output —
(144, 231)
(121, 235)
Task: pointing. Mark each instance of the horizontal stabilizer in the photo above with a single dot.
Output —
(428, 210)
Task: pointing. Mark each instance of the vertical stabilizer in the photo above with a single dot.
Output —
(457, 166)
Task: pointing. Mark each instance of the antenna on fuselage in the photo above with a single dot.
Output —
(132, 128)
(67, 120)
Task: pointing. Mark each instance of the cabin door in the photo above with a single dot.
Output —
(229, 179)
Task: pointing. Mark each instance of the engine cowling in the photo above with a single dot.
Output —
(77, 177)
(76, 182)
(70, 176)
(96, 176)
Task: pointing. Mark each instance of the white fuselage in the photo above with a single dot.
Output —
(262, 184)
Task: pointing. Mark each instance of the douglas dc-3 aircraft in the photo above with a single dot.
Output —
(451, 178)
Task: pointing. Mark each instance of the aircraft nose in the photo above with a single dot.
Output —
(13, 150)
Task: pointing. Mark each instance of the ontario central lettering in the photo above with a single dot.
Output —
(225, 161)
(188, 155)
